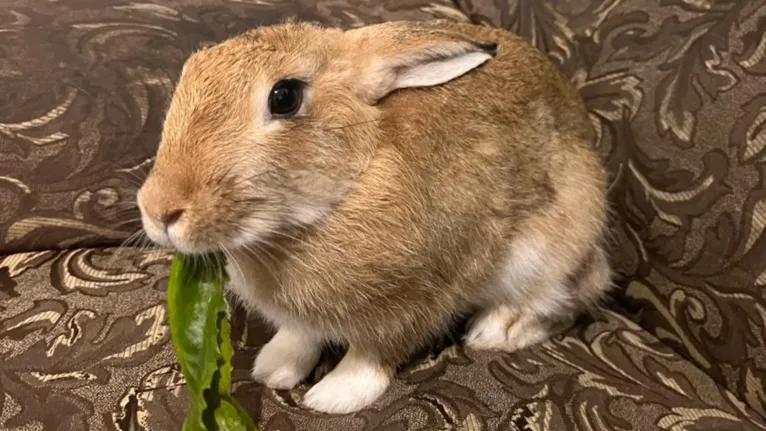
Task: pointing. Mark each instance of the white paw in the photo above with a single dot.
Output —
(504, 329)
(353, 385)
(286, 360)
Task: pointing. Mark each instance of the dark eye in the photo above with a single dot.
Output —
(285, 97)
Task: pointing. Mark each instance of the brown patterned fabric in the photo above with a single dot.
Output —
(84, 85)
(85, 345)
(676, 91)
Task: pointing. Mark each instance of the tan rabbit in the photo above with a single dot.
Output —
(370, 185)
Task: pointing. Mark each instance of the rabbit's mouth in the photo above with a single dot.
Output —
(176, 234)
(231, 214)
(266, 231)
(200, 229)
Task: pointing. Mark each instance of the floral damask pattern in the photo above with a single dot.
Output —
(85, 85)
(77, 357)
(676, 91)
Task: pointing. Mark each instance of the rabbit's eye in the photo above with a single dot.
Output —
(285, 97)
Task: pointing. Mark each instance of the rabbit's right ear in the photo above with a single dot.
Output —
(409, 54)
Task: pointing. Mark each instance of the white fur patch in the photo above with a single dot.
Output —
(525, 261)
(531, 278)
(286, 360)
(531, 291)
(156, 233)
(354, 384)
(308, 215)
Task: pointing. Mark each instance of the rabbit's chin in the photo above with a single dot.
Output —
(178, 239)
(186, 247)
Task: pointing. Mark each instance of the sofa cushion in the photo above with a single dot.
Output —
(677, 91)
(84, 87)
(84, 345)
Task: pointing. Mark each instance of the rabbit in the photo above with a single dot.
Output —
(371, 185)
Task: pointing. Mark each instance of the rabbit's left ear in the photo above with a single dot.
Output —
(407, 54)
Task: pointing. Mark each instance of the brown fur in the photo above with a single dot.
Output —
(419, 193)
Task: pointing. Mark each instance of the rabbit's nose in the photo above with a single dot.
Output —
(169, 217)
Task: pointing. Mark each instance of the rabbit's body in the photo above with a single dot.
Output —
(479, 193)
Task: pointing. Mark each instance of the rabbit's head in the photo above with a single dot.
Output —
(270, 129)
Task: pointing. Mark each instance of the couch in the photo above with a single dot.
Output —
(676, 91)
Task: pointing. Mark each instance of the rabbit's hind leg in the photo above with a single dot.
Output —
(550, 306)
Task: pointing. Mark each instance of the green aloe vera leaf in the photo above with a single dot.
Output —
(201, 336)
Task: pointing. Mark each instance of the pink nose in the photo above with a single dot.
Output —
(168, 218)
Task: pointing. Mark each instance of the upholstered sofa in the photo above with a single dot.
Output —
(677, 93)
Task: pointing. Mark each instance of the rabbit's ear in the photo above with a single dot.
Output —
(408, 54)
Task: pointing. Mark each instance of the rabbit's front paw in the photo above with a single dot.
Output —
(354, 384)
(286, 360)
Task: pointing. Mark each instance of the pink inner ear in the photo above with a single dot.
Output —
(435, 72)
